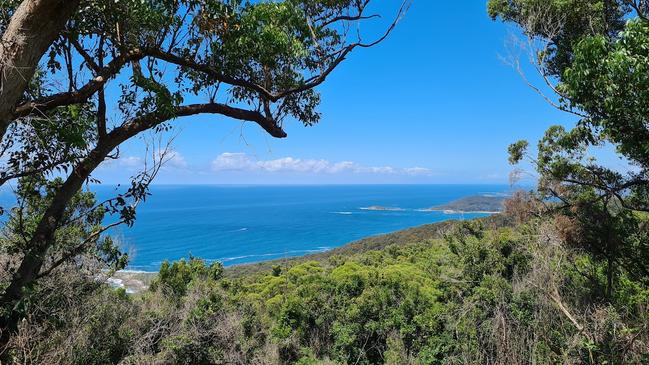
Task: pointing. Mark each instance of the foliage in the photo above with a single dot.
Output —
(375, 243)
(252, 61)
(178, 275)
(568, 283)
(562, 22)
(599, 75)
(80, 237)
(511, 295)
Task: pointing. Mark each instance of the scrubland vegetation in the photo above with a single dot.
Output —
(561, 277)
(517, 294)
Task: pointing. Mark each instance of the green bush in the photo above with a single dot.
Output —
(178, 276)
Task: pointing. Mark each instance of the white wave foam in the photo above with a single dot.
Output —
(234, 258)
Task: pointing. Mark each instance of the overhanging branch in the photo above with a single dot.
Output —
(148, 121)
(83, 94)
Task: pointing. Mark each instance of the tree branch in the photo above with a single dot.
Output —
(83, 94)
(151, 120)
(77, 249)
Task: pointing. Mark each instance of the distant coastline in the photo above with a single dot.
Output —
(451, 211)
(485, 204)
(135, 281)
(379, 211)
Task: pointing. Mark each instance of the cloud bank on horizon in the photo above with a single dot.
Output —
(245, 168)
(238, 161)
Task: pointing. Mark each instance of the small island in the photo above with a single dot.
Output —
(383, 209)
(472, 204)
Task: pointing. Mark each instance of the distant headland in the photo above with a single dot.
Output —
(473, 204)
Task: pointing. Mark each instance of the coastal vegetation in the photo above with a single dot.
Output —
(480, 203)
(561, 276)
(256, 62)
(458, 293)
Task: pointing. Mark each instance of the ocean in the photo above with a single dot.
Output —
(244, 224)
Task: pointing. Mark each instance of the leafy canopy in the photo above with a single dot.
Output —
(595, 56)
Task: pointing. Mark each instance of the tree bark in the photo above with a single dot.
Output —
(610, 272)
(31, 31)
(43, 237)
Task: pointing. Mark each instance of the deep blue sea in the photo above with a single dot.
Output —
(243, 224)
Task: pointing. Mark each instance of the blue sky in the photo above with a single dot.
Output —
(434, 103)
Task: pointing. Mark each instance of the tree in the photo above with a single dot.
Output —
(559, 24)
(28, 30)
(175, 277)
(599, 73)
(250, 61)
(79, 236)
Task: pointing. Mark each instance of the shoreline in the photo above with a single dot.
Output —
(131, 281)
(137, 281)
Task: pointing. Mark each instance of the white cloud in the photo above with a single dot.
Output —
(418, 171)
(230, 161)
(294, 165)
(175, 160)
(386, 170)
(343, 166)
(129, 161)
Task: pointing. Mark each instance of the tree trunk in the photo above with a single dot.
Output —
(43, 236)
(610, 272)
(42, 240)
(33, 27)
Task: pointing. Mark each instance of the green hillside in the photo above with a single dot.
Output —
(403, 237)
(479, 292)
(478, 203)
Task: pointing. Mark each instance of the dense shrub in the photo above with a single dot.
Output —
(511, 295)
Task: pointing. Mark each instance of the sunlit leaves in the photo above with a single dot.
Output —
(517, 151)
(562, 23)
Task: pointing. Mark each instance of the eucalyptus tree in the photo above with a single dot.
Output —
(28, 30)
(594, 55)
(252, 61)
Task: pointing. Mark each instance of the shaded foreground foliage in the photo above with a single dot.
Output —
(509, 295)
